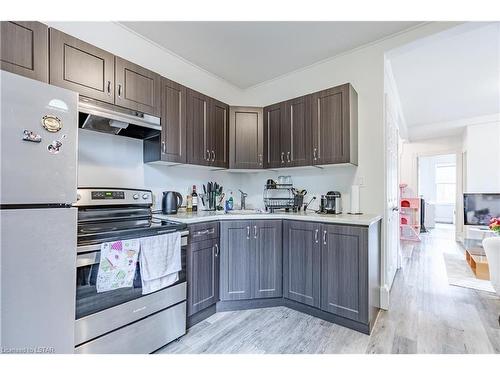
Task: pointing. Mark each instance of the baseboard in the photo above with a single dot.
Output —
(348, 323)
(200, 316)
(384, 297)
(274, 302)
(249, 304)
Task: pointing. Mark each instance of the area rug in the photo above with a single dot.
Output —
(460, 274)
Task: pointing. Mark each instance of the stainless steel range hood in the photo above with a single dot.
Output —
(111, 119)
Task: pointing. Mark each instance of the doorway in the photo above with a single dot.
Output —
(437, 186)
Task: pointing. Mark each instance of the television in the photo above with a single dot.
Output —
(479, 208)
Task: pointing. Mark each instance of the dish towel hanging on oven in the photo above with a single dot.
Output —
(117, 265)
(160, 261)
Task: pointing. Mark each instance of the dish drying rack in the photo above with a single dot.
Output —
(278, 196)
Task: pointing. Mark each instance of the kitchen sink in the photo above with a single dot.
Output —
(245, 212)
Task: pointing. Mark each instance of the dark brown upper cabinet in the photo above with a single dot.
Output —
(335, 126)
(274, 116)
(207, 131)
(198, 138)
(246, 133)
(81, 67)
(173, 118)
(218, 134)
(24, 49)
(296, 132)
(287, 127)
(136, 87)
(316, 129)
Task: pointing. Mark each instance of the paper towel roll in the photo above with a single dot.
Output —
(355, 199)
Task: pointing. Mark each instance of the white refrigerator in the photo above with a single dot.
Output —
(38, 178)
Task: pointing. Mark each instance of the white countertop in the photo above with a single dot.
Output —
(205, 216)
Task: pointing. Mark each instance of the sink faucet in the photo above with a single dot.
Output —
(243, 196)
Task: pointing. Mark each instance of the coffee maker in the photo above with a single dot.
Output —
(331, 203)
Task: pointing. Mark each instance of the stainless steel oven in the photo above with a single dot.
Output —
(123, 320)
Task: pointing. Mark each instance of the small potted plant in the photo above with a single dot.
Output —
(495, 225)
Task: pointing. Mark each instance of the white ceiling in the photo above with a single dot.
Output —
(248, 53)
(449, 80)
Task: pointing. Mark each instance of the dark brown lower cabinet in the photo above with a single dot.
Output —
(236, 260)
(251, 259)
(344, 271)
(202, 275)
(268, 258)
(327, 270)
(24, 49)
(334, 268)
(302, 262)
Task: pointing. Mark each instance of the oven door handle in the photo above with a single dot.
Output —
(88, 259)
(97, 247)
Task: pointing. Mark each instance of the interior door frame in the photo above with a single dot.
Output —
(386, 284)
(459, 182)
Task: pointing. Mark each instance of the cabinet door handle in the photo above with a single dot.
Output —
(216, 250)
(260, 158)
(282, 158)
(213, 155)
(109, 88)
(207, 156)
(119, 90)
(248, 233)
(316, 237)
(202, 232)
(324, 237)
(288, 156)
(255, 231)
(163, 146)
(315, 153)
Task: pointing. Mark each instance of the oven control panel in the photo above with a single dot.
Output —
(108, 194)
(99, 197)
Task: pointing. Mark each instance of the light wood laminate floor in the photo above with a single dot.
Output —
(426, 316)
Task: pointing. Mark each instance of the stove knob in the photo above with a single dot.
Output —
(145, 196)
(135, 196)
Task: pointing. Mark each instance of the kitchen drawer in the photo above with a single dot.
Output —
(142, 337)
(203, 231)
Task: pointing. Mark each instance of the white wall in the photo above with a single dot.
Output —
(315, 181)
(482, 144)
(105, 160)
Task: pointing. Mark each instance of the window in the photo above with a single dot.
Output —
(445, 183)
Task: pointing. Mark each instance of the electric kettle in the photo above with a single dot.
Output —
(171, 202)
